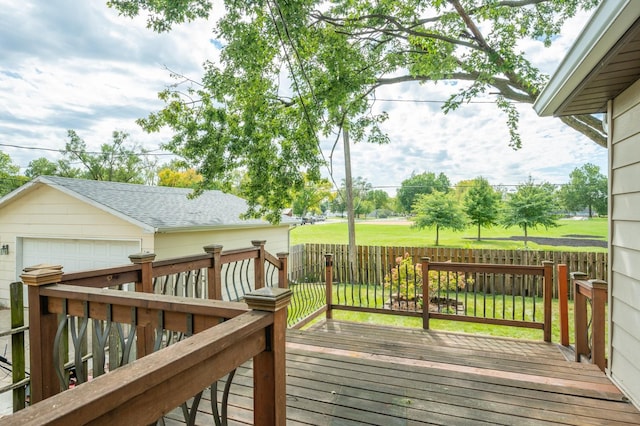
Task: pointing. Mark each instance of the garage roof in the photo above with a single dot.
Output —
(602, 63)
(155, 208)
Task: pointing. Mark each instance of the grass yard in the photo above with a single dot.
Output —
(570, 235)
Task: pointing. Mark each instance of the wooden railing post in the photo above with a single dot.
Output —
(283, 271)
(258, 267)
(579, 316)
(145, 335)
(425, 292)
(42, 331)
(328, 280)
(269, 367)
(598, 300)
(17, 344)
(563, 304)
(214, 272)
(548, 298)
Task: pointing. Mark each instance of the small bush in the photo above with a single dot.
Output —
(405, 280)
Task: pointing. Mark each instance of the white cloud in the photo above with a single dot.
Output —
(78, 65)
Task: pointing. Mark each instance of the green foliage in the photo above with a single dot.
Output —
(334, 56)
(587, 189)
(405, 280)
(418, 184)
(438, 210)
(532, 205)
(115, 162)
(310, 197)
(9, 178)
(482, 204)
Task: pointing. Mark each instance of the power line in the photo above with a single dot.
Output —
(62, 151)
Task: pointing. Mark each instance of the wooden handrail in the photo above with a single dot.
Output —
(596, 292)
(141, 392)
(545, 271)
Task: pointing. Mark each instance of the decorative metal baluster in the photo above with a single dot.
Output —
(102, 336)
(589, 329)
(77, 335)
(59, 365)
(221, 418)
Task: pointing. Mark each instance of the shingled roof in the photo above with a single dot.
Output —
(156, 208)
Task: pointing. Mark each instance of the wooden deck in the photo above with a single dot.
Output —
(342, 373)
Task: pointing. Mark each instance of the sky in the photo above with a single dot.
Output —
(69, 64)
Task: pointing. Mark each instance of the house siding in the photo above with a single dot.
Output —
(45, 212)
(624, 274)
(181, 243)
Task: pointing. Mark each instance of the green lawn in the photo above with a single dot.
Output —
(367, 233)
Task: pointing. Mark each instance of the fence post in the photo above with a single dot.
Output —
(599, 299)
(258, 267)
(579, 316)
(563, 304)
(547, 296)
(145, 335)
(214, 272)
(283, 271)
(42, 332)
(269, 367)
(425, 292)
(17, 344)
(328, 280)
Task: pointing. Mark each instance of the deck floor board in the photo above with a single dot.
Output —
(341, 373)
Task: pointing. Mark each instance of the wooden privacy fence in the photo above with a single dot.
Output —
(306, 261)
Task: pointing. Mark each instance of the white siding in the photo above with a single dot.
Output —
(624, 274)
(185, 243)
(46, 213)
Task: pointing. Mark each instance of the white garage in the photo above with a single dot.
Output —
(85, 224)
(74, 254)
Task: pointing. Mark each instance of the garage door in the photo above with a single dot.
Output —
(76, 254)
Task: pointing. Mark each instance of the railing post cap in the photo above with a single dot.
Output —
(42, 266)
(268, 299)
(599, 284)
(578, 275)
(38, 277)
(282, 254)
(213, 248)
(425, 258)
(258, 243)
(547, 262)
(328, 255)
(144, 257)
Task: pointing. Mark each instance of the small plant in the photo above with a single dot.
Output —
(404, 281)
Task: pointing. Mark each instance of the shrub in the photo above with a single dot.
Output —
(405, 280)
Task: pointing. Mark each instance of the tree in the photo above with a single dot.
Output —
(417, 184)
(482, 204)
(187, 178)
(379, 199)
(44, 167)
(9, 175)
(587, 189)
(310, 197)
(115, 162)
(438, 210)
(335, 56)
(532, 205)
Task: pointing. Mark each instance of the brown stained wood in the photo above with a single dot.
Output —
(148, 301)
(104, 277)
(141, 392)
(230, 256)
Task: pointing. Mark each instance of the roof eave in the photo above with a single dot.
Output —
(607, 25)
(217, 227)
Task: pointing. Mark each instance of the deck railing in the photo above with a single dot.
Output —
(589, 319)
(512, 295)
(101, 335)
